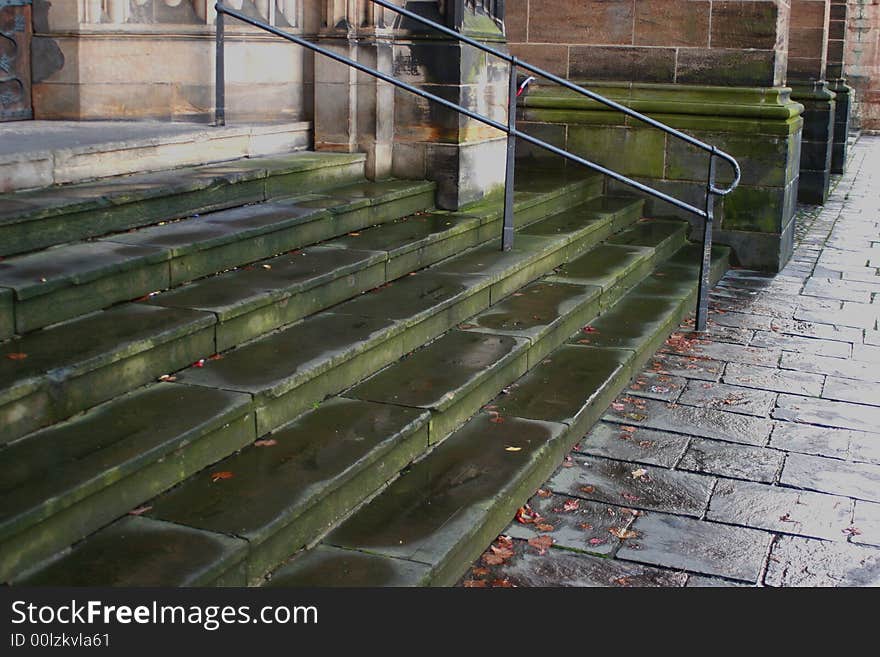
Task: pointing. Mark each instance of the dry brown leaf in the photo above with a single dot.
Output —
(220, 476)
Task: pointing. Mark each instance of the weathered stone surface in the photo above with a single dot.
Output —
(714, 457)
(687, 367)
(635, 322)
(838, 367)
(330, 566)
(697, 546)
(652, 385)
(737, 353)
(850, 390)
(827, 413)
(698, 581)
(858, 480)
(574, 524)
(641, 446)
(444, 501)
(608, 265)
(632, 485)
(703, 422)
(825, 441)
(866, 524)
(662, 236)
(831, 348)
(781, 510)
(564, 568)
(771, 378)
(734, 399)
(143, 552)
(796, 561)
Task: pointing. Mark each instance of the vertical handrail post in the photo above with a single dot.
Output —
(510, 170)
(706, 263)
(220, 72)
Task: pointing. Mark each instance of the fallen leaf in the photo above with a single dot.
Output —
(622, 533)
(589, 329)
(525, 515)
(597, 541)
(475, 583)
(502, 584)
(542, 527)
(543, 493)
(199, 363)
(354, 234)
(568, 463)
(638, 473)
(219, 476)
(852, 531)
(541, 543)
(266, 266)
(571, 505)
(587, 489)
(169, 378)
(617, 406)
(16, 355)
(628, 429)
(492, 560)
(268, 442)
(216, 357)
(630, 497)
(585, 526)
(511, 449)
(480, 571)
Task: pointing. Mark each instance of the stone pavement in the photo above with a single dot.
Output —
(746, 456)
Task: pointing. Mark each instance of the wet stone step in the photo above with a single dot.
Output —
(448, 506)
(453, 377)
(572, 523)
(7, 318)
(415, 241)
(528, 567)
(613, 267)
(665, 237)
(633, 485)
(621, 209)
(54, 285)
(143, 552)
(283, 491)
(51, 374)
(258, 298)
(61, 483)
(41, 218)
(330, 566)
(544, 312)
(572, 386)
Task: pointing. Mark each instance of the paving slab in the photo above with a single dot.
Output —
(796, 561)
(722, 396)
(773, 379)
(714, 457)
(697, 546)
(781, 510)
(826, 441)
(642, 446)
(837, 367)
(653, 385)
(844, 415)
(858, 480)
(832, 348)
(688, 367)
(633, 485)
(333, 567)
(866, 524)
(850, 390)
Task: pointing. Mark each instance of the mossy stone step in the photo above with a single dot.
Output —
(61, 283)
(42, 218)
(665, 237)
(7, 314)
(452, 377)
(544, 312)
(64, 482)
(258, 298)
(450, 504)
(334, 567)
(306, 476)
(143, 552)
(51, 374)
(58, 284)
(613, 267)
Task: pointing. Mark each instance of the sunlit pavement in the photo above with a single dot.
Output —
(746, 456)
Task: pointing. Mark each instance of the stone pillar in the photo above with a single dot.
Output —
(354, 111)
(807, 48)
(836, 76)
(465, 157)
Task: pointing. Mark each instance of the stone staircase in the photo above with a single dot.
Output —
(271, 370)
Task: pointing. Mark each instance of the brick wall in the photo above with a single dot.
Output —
(738, 42)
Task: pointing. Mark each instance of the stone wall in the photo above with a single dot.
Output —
(154, 59)
(862, 60)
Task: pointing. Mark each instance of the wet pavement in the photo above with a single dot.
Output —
(746, 456)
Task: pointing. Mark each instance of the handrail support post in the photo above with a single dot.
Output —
(702, 319)
(220, 72)
(510, 169)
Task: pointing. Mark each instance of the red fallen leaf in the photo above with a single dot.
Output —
(492, 560)
(585, 341)
(16, 355)
(568, 463)
(630, 497)
(140, 510)
(622, 533)
(617, 406)
(545, 528)
(585, 526)
(622, 581)
(543, 493)
(571, 505)
(216, 357)
(587, 489)
(504, 541)
(645, 444)
(475, 583)
(268, 442)
(502, 551)
(496, 419)
(199, 363)
(852, 531)
(541, 543)
(354, 234)
(168, 378)
(628, 429)
(480, 571)
(219, 476)
(501, 584)
(589, 329)
(598, 541)
(525, 515)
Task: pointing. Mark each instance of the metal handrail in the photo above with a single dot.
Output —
(707, 212)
